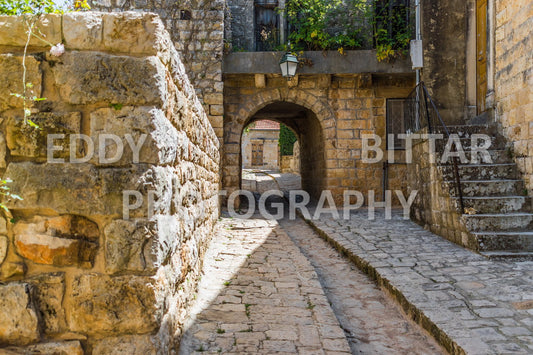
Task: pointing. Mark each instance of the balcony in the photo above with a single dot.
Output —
(324, 62)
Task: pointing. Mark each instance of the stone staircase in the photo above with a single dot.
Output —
(498, 211)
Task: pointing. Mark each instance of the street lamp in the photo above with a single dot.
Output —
(288, 65)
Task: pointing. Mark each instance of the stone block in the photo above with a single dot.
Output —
(134, 32)
(216, 110)
(82, 30)
(61, 187)
(214, 99)
(49, 290)
(20, 324)
(13, 31)
(12, 269)
(150, 132)
(128, 247)
(55, 348)
(24, 140)
(91, 77)
(11, 79)
(44, 249)
(127, 344)
(260, 81)
(112, 305)
(60, 241)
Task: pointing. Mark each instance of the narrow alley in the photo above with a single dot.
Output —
(280, 288)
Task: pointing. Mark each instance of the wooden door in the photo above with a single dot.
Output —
(481, 46)
(257, 154)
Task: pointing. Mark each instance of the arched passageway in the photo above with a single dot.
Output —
(309, 133)
(305, 124)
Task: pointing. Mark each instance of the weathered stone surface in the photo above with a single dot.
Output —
(11, 78)
(19, 323)
(112, 305)
(179, 165)
(90, 77)
(23, 140)
(82, 30)
(3, 248)
(60, 241)
(152, 134)
(127, 344)
(12, 269)
(49, 290)
(13, 32)
(128, 247)
(43, 249)
(61, 187)
(133, 32)
(55, 348)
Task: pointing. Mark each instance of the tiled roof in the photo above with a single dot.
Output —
(266, 125)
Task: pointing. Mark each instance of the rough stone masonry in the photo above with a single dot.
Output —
(76, 276)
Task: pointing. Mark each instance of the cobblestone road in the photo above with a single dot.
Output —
(260, 295)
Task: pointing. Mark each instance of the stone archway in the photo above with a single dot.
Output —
(310, 135)
(313, 121)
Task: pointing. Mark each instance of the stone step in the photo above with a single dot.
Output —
(505, 241)
(495, 204)
(499, 156)
(473, 188)
(497, 143)
(468, 130)
(498, 221)
(481, 172)
(503, 255)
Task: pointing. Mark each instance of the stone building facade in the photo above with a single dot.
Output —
(102, 256)
(260, 146)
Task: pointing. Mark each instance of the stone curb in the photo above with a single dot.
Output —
(416, 314)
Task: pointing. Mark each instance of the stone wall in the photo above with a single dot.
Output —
(444, 28)
(331, 114)
(434, 207)
(514, 80)
(78, 274)
(197, 30)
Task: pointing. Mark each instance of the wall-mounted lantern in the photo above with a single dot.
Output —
(288, 65)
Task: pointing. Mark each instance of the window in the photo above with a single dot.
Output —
(396, 121)
(267, 29)
(393, 16)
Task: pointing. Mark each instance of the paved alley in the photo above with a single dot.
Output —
(271, 288)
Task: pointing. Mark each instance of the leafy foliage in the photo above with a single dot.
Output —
(350, 24)
(21, 7)
(326, 24)
(38, 7)
(287, 138)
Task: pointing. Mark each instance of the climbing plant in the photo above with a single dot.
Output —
(287, 138)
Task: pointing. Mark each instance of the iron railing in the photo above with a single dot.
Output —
(421, 112)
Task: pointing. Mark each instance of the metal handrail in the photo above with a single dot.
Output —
(418, 123)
